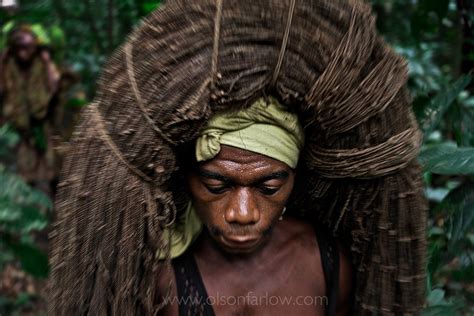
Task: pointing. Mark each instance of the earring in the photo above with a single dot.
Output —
(282, 212)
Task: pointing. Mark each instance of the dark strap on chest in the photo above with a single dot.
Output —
(330, 261)
(192, 295)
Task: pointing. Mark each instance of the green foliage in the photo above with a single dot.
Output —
(451, 167)
(452, 216)
(430, 35)
(10, 307)
(459, 205)
(94, 29)
(149, 6)
(430, 114)
(32, 259)
(448, 159)
(8, 139)
(21, 213)
(439, 305)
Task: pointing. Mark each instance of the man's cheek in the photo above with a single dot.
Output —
(207, 212)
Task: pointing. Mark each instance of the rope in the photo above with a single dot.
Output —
(215, 48)
(284, 43)
(380, 160)
(129, 65)
(100, 128)
(343, 212)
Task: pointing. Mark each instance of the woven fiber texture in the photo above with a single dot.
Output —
(122, 181)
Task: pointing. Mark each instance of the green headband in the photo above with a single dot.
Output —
(266, 128)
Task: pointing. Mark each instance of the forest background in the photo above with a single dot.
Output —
(435, 36)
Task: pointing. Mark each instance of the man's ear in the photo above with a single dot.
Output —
(293, 170)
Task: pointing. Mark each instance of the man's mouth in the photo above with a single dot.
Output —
(240, 242)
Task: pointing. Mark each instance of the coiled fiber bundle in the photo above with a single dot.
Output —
(121, 182)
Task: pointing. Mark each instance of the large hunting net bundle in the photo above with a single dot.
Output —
(121, 182)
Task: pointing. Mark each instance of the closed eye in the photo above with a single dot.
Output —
(268, 190)
(216, 189)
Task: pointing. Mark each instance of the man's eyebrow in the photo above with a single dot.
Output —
(212, 175)
(279, 175)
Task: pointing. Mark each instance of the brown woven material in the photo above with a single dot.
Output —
(121, 183)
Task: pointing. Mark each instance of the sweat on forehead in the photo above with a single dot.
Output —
(239, 166)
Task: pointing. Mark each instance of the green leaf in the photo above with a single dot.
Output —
(8, 27)
(434, 111)
(8, 136)
(465, 274)
(444, 306)
(435, 297)
(470, 237)
(23, 299)
(6, 256)
(41, 33)
(20, 219)
(459, 207)
(442, 310)
(33, 260)
(150, 6)
(9, 213)
(76, 103)
(57, 35)
(436, 194)
(448, 159)
(40, 137)
(14, 188)
(436, 249)
(440, 7)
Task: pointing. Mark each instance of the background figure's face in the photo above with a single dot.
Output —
(24, 46)
(239, 195)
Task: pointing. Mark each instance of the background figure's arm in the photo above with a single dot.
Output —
(3, 61)
(52, 71)
(40, 98)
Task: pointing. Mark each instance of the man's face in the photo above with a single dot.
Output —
(239, 195)
(24, 46)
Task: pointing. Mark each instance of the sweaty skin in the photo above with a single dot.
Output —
(245, 250)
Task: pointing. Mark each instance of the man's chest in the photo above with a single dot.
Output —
(288, 279)
(294, 297)
(286, 285)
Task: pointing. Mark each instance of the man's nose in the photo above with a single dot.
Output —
(242, 208)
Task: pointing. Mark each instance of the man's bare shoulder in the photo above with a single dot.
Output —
(296, 228)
